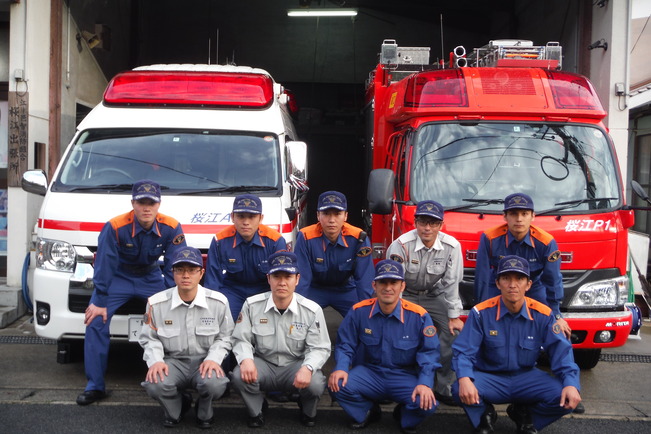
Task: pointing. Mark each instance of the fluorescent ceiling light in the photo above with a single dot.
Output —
(321, 12)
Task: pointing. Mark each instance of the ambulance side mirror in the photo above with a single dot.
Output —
(380, 191)
(297, 166)
(34, 181)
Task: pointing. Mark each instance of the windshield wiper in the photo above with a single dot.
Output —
(116, 187)
(475, 203)
(235, 188)
(573, 204)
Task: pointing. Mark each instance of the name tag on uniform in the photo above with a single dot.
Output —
(493, 332)
(232, 261)
(168, 322)
(415, 261)
(129, 245)
(264, 320)
(319, 260)
(368, 331)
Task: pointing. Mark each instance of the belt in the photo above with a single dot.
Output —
(139, 270)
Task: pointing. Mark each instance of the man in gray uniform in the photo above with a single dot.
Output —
(186, 335)
(433, 269)
(280, 343)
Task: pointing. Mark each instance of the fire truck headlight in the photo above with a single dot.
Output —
(611, 292)
(55, 255)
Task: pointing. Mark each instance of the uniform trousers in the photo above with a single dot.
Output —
(532, 387)
(98, 334)
(368, 384)
(437, 308)
(184, 374)
(341, 301)
(273, 378)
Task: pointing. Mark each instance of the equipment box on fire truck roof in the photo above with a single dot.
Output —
(205, 133)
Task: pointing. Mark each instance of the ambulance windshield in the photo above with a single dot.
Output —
(565, 168)
(181, 161)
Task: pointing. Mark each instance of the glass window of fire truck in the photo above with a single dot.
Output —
(177, 159)
(459, 164)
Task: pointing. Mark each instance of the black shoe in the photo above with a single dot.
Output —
(487, 420)
(256, 421)
(445, 399)
(373, 415)
(90, 396)
(205, 424)
(520, 415)
(186, 403)
(307, 420)
(579, 409)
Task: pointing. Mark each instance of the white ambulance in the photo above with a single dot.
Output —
(205, 133)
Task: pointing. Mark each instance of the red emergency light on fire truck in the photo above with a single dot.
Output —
(501, 120)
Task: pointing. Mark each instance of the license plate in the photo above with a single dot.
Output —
(135, 326)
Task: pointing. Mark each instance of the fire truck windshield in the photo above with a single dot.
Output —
(182, 161)
(475, 165)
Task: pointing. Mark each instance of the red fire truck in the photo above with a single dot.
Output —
(501, 120)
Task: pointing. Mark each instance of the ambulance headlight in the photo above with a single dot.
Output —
(603, 293)
(55, 255)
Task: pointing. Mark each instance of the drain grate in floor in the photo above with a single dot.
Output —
(625, 358)
(26, 340)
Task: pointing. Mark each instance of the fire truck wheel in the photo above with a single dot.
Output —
(587, 359)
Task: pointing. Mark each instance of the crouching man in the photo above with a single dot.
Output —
(496, 352)
(280, 342)
(387, 349)
(186, 335)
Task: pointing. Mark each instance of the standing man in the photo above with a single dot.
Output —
(495, 357)
(185, 336)
(433, 267)
(280, 343)
(334, 257)
(519, 237)
(237, 258)
(126, 266)
(396, 343)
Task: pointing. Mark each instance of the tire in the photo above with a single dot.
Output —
(587, 359)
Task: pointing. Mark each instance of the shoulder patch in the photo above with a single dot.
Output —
(538, 306)
(167, 220)
(364, 252)
(429, 331)
(367, 302)
(556, 328)
(122, 220)
(179, 239)
(397, 258)
(160, 297)
(413, 307)
(555, 256)
(351, 230)
(312, 231)
(225, 233)
(268, 232)
(491, 302)
(541, 234)
(496, 231)
(239, 318)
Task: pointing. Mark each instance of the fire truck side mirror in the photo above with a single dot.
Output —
(380, 191)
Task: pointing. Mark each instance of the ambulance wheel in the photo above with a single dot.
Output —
(70, 351)
(587, 359)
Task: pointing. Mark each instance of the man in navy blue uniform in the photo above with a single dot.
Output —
(387, 349)
(126, 266)
(495, 357)
(334, 257)
(519, 237)
(237, 259)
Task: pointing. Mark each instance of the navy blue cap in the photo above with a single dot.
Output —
(429, 208)
(332, 200)
(518, 201)
(188, 255)
(513, 264)
(247, 203)
(389, 269)
(283, 261)
(146, 189)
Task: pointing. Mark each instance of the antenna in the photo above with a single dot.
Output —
(442, 52)
(208, 51)
(217, 48)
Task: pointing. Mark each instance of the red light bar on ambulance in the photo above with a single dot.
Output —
(190, 88)
(572, 91)
(443, 88)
